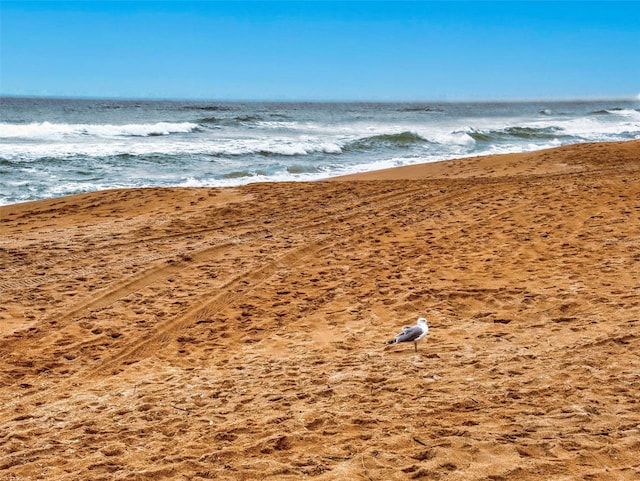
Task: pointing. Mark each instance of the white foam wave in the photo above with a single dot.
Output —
(220, 147)
(459, 137)
(52, 131)
(29, 142)
(597, 129)
(624, 124)
(282, 124)
(284, 175)
(627, 113)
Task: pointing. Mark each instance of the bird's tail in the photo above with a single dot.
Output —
(392, 341)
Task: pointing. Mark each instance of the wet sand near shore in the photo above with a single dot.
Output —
(240, 333)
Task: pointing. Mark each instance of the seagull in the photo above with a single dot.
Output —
(412, 333)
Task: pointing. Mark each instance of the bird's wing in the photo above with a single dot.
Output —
(409, 334)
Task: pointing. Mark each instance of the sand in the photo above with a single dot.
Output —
(240, 333)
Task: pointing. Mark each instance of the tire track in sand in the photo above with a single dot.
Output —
(231, 290)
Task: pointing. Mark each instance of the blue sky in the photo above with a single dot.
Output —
(321, 50)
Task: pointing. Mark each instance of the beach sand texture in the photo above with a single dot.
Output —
(239, 333)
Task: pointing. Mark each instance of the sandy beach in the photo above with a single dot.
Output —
(239, 333)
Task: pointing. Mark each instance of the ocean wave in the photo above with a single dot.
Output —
(291, 148)
(629, 113)
(520, 133)
(619, 124)
(421, 108)
(240, 120)
(53, 131)
(304, 169)
(402, 139)
(209, 120)
(593, 129)
(280, 124)
(238, 174)
(632, 113)
(168, 146)
(457, 138)
(247, 118)
(209, 108)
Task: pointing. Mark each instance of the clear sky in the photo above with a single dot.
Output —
(321, 50)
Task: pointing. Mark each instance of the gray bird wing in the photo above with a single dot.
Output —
(409, 334)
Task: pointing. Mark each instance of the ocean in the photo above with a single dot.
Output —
(55, 147)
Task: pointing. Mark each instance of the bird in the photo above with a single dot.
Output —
(412, 333)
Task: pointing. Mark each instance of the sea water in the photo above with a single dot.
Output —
(55, 147)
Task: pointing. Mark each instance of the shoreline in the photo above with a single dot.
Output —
(141, 330)
(469, 166)
(512, 164)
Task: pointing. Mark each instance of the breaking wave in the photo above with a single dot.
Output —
(52, 131)
(402, 139)
(518, 133)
